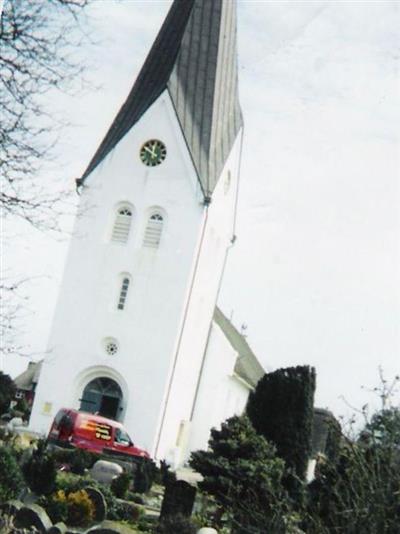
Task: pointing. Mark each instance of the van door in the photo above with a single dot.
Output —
(122, 441)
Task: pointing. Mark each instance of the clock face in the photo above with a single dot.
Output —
(153, 153)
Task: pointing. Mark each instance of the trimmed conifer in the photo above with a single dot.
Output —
(281, 410)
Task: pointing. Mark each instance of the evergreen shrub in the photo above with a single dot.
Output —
(7, 392)
(77, 459)
(134, 497)
(40, 471)
(22, 409)
(116, 510)
(144, 476)
(281, 410)
(11, 479)
(120, 484)
(55, 507)
(79, 506)
(243, 475)
(125, 511)
(81, 460)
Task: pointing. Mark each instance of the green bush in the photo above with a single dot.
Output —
(80, 508)
(116, 510)
(281, 410)
(22, 409)
(384, 428)
(40, 471)
(82, 460)
(55, 508)
(159, 471)
(144, 476)
(125, 511)
(77, 459)
(361, 491)
(11, 479)
(134, 497)
(120, 485)
(243, 475)
(7, 392)
(70, 482)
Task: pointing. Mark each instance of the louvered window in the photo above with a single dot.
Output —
(152, 234)
(122, 225)
(123, 293)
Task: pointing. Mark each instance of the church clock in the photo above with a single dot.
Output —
(153, 153)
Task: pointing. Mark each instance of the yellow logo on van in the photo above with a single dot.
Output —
(100, 430)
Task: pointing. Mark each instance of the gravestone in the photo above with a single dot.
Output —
(99, 502)
(178, 498)
(104, 471)
(11, 507)
(33, 515)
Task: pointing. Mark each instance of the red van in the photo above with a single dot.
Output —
(94, 433)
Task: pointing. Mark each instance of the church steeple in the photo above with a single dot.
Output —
(194, 57)
(132, 333)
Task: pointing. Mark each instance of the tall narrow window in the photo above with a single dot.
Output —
(123, 293)
(152, 234)
(122, 225)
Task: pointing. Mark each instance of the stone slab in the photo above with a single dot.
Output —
(33, 515)
(104, 471)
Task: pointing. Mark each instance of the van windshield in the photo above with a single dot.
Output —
(122, 437)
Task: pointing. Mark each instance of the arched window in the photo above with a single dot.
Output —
(123, 293)
(122, 225)
(102, 396)
(152, 234)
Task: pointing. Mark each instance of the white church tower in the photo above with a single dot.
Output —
(149, 246)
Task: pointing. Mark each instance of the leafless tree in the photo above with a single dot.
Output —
(39, 42)
(12, 312)
(40, 52)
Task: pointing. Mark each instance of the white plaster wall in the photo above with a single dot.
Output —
(220, 394)
(219, 227)
(86, 311)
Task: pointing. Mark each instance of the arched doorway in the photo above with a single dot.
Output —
(102, 396)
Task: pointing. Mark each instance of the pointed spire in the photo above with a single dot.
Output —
(194, 56)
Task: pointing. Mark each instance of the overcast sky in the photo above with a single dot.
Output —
(315, 272)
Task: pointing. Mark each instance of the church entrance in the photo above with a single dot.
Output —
(102, 396)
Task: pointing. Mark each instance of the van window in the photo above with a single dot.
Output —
(122, 437)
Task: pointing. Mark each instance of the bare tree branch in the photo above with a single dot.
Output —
(39, 42)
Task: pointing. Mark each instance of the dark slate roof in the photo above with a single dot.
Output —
(30, 377)
(247, 366)
(194, 56)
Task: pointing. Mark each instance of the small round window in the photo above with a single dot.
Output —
(111, 346)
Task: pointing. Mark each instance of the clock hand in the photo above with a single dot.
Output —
(148, 149)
